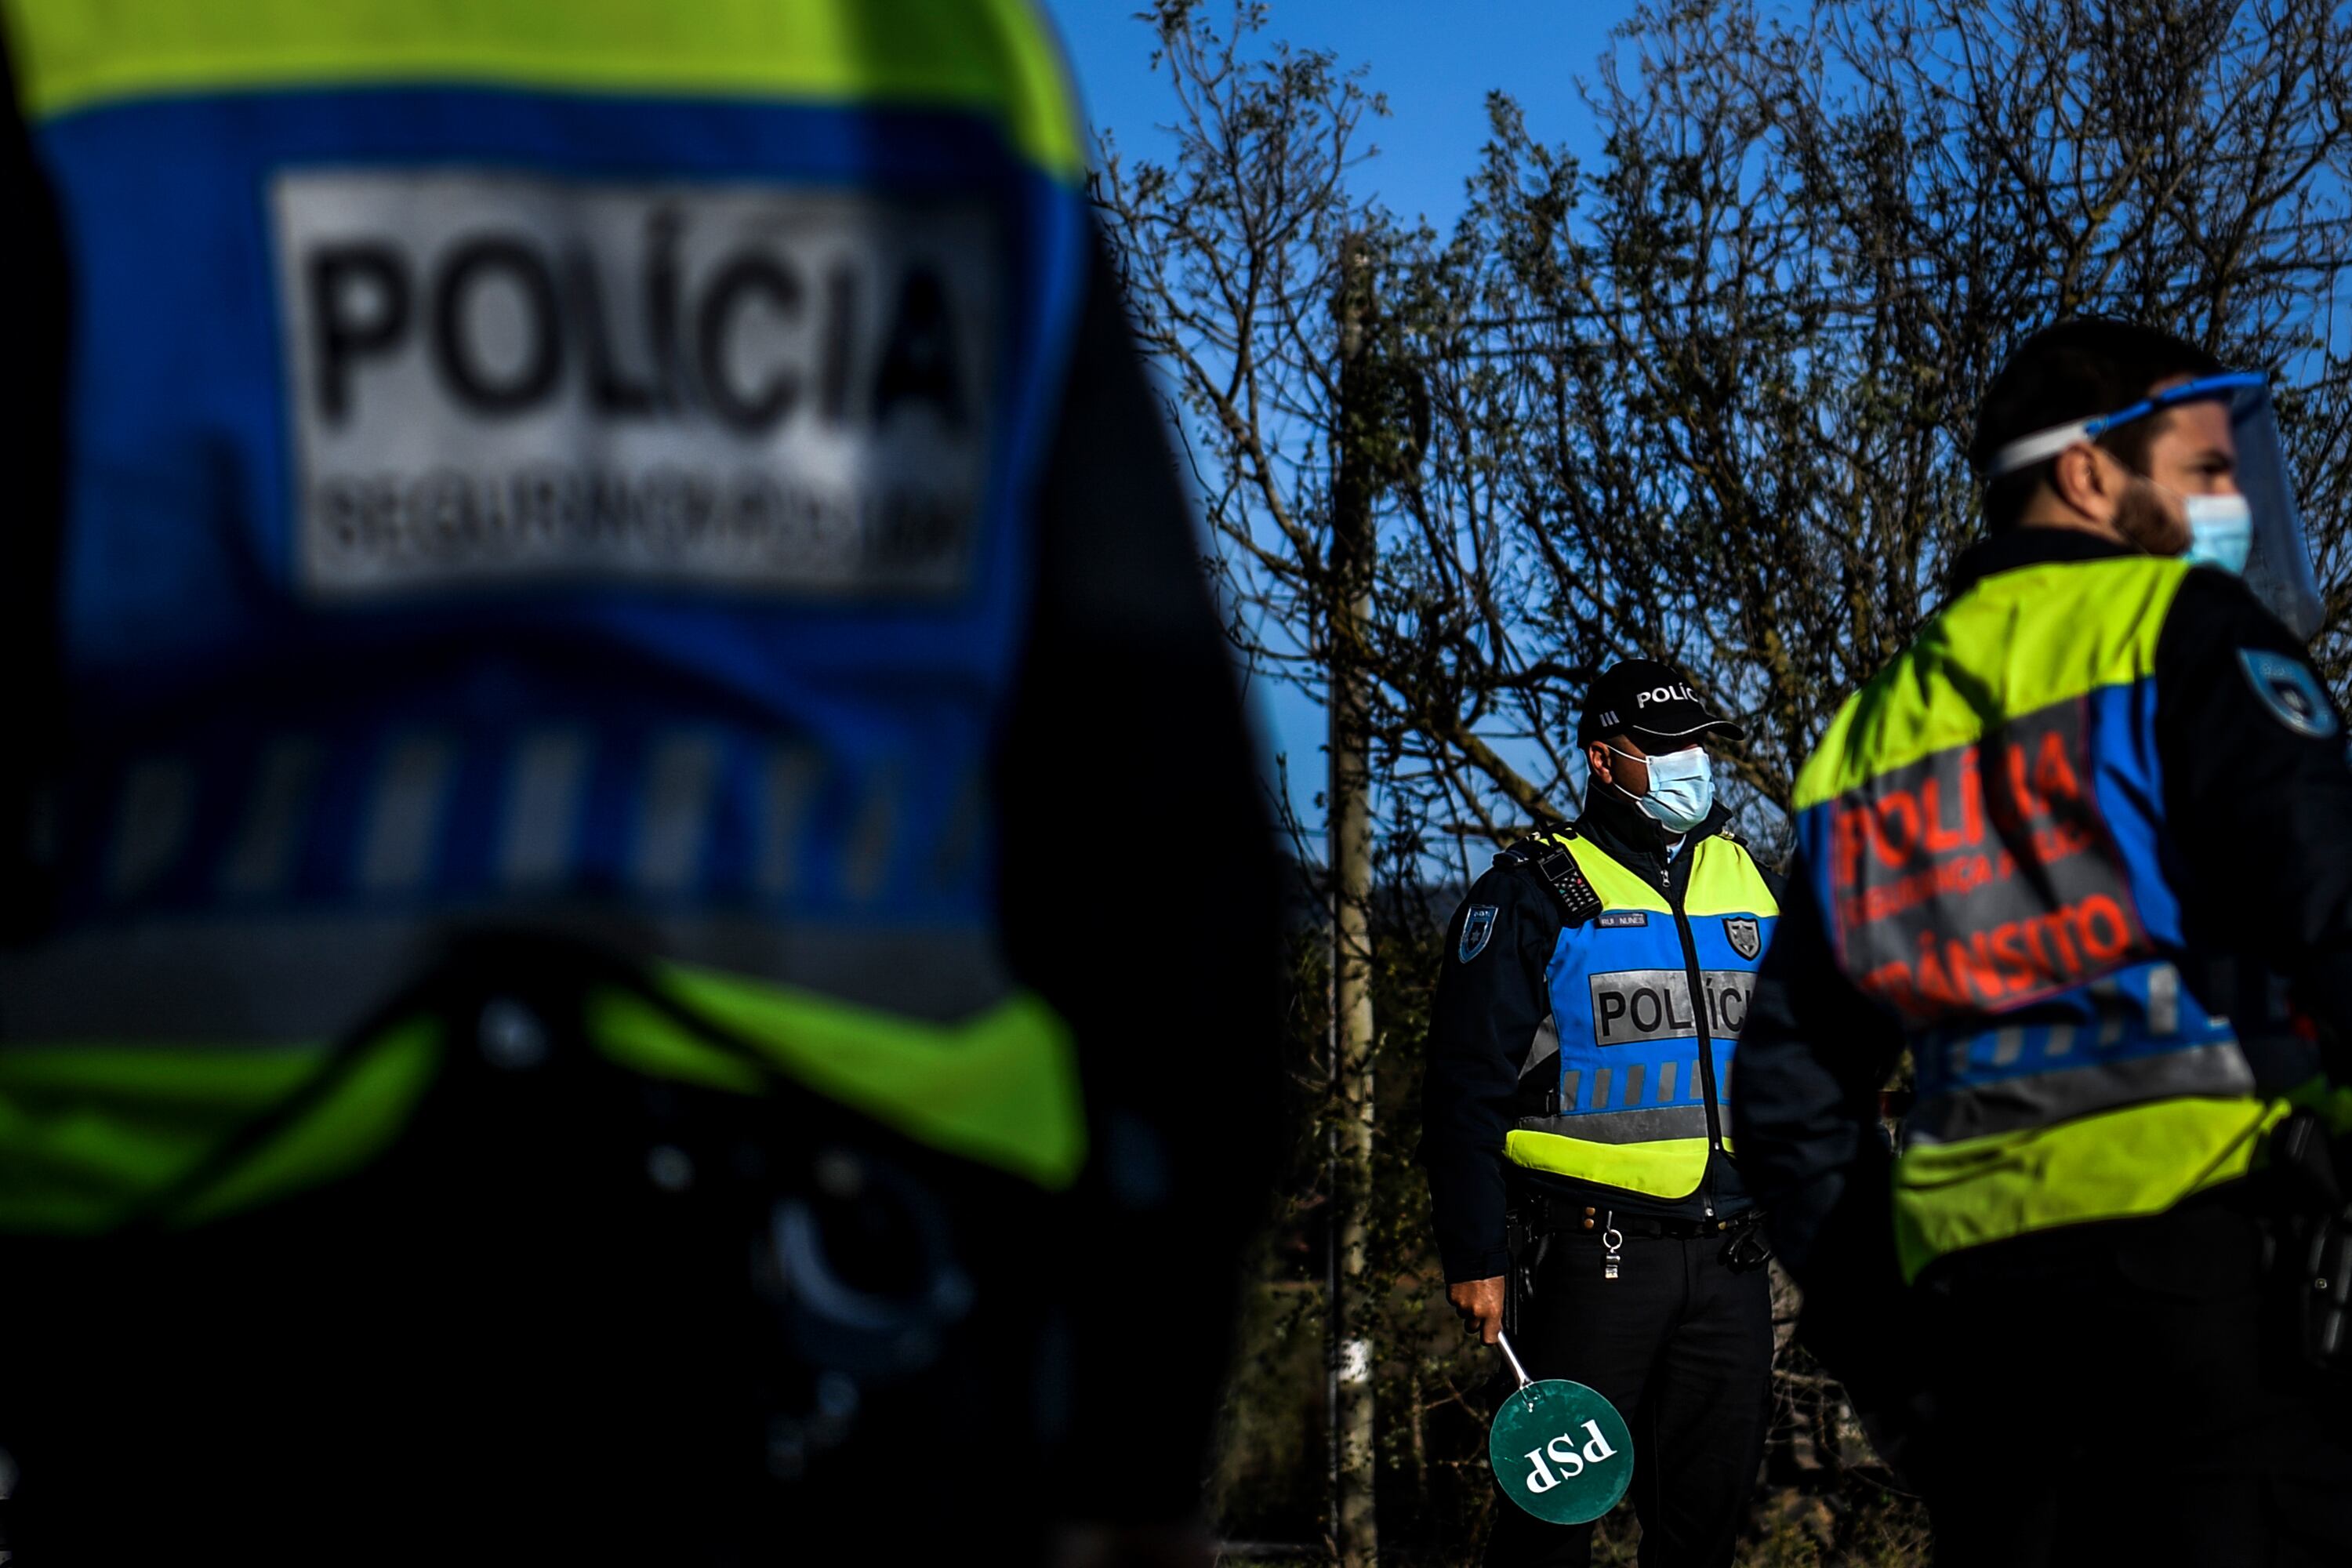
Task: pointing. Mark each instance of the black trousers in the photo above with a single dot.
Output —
(1681, 1344)
(2107, 1394)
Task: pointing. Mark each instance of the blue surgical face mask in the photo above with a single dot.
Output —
(2221, 532)
(1682, 788)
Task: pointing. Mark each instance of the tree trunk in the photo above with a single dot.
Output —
(1350, 839)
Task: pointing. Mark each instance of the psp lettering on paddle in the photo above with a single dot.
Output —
(1563, 1452)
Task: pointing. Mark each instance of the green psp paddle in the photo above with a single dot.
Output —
(1560, 1450)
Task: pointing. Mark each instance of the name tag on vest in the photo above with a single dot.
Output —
(522, 380)
(1612, 919)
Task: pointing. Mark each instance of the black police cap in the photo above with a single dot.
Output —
(1651, 702)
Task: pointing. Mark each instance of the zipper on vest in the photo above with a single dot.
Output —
(1705, 1047)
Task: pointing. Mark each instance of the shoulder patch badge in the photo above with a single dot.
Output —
(2290, 691)
(1746, 937)
(1624, 918)
(1477, 927)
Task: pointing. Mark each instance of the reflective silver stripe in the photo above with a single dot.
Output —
(2116, 1015)
(1666, 1082)
(1572, 1084)
(1648, 1126)
(549, 782)
(791, 782)
(159, 803)
(263, 859)
(677, 818)
(1601, 1088)
(1542, 1046)
(311, 976)
(1633, 1085)
(404, 819)
(2163, 1000)
(2038, 1099)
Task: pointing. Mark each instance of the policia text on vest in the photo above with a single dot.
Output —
(2085, 850)
(531, 1028)
(783, 389)
(1582, 1058)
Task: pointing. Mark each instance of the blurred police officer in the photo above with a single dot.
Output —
(557, 557)
(1577, 1119)
(2053, 850)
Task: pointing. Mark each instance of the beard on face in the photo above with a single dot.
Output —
(2147, 523)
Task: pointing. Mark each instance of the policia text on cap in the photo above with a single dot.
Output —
(1580, 1070)
(2058, 850)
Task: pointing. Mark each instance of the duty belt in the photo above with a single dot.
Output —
(1538, 1214)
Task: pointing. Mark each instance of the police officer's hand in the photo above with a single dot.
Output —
(1480, 1301)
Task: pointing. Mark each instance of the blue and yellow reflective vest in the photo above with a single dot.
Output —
(543, 461)
(1984, 827)
(1642, 1085)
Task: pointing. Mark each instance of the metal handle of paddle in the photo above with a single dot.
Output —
(1503, 1343)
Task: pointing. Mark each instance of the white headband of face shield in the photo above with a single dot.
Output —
(2265, 542)
(2043, 444)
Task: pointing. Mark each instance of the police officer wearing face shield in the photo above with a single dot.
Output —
(1577, 1119)
(2084, 849)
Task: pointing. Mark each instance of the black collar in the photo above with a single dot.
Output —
(2031, 546)
(1631, 838)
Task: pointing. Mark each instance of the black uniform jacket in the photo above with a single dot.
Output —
(1488, 1011)
(2258, 815)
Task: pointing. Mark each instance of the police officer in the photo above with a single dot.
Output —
(556, 557)
(1577, 1118)
(2051, 850)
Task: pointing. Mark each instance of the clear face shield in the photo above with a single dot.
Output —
(2278, 563)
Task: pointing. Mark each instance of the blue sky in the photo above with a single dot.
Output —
(1436, 63)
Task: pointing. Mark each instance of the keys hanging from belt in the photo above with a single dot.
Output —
(1614, 1240)
(1749, 1246)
